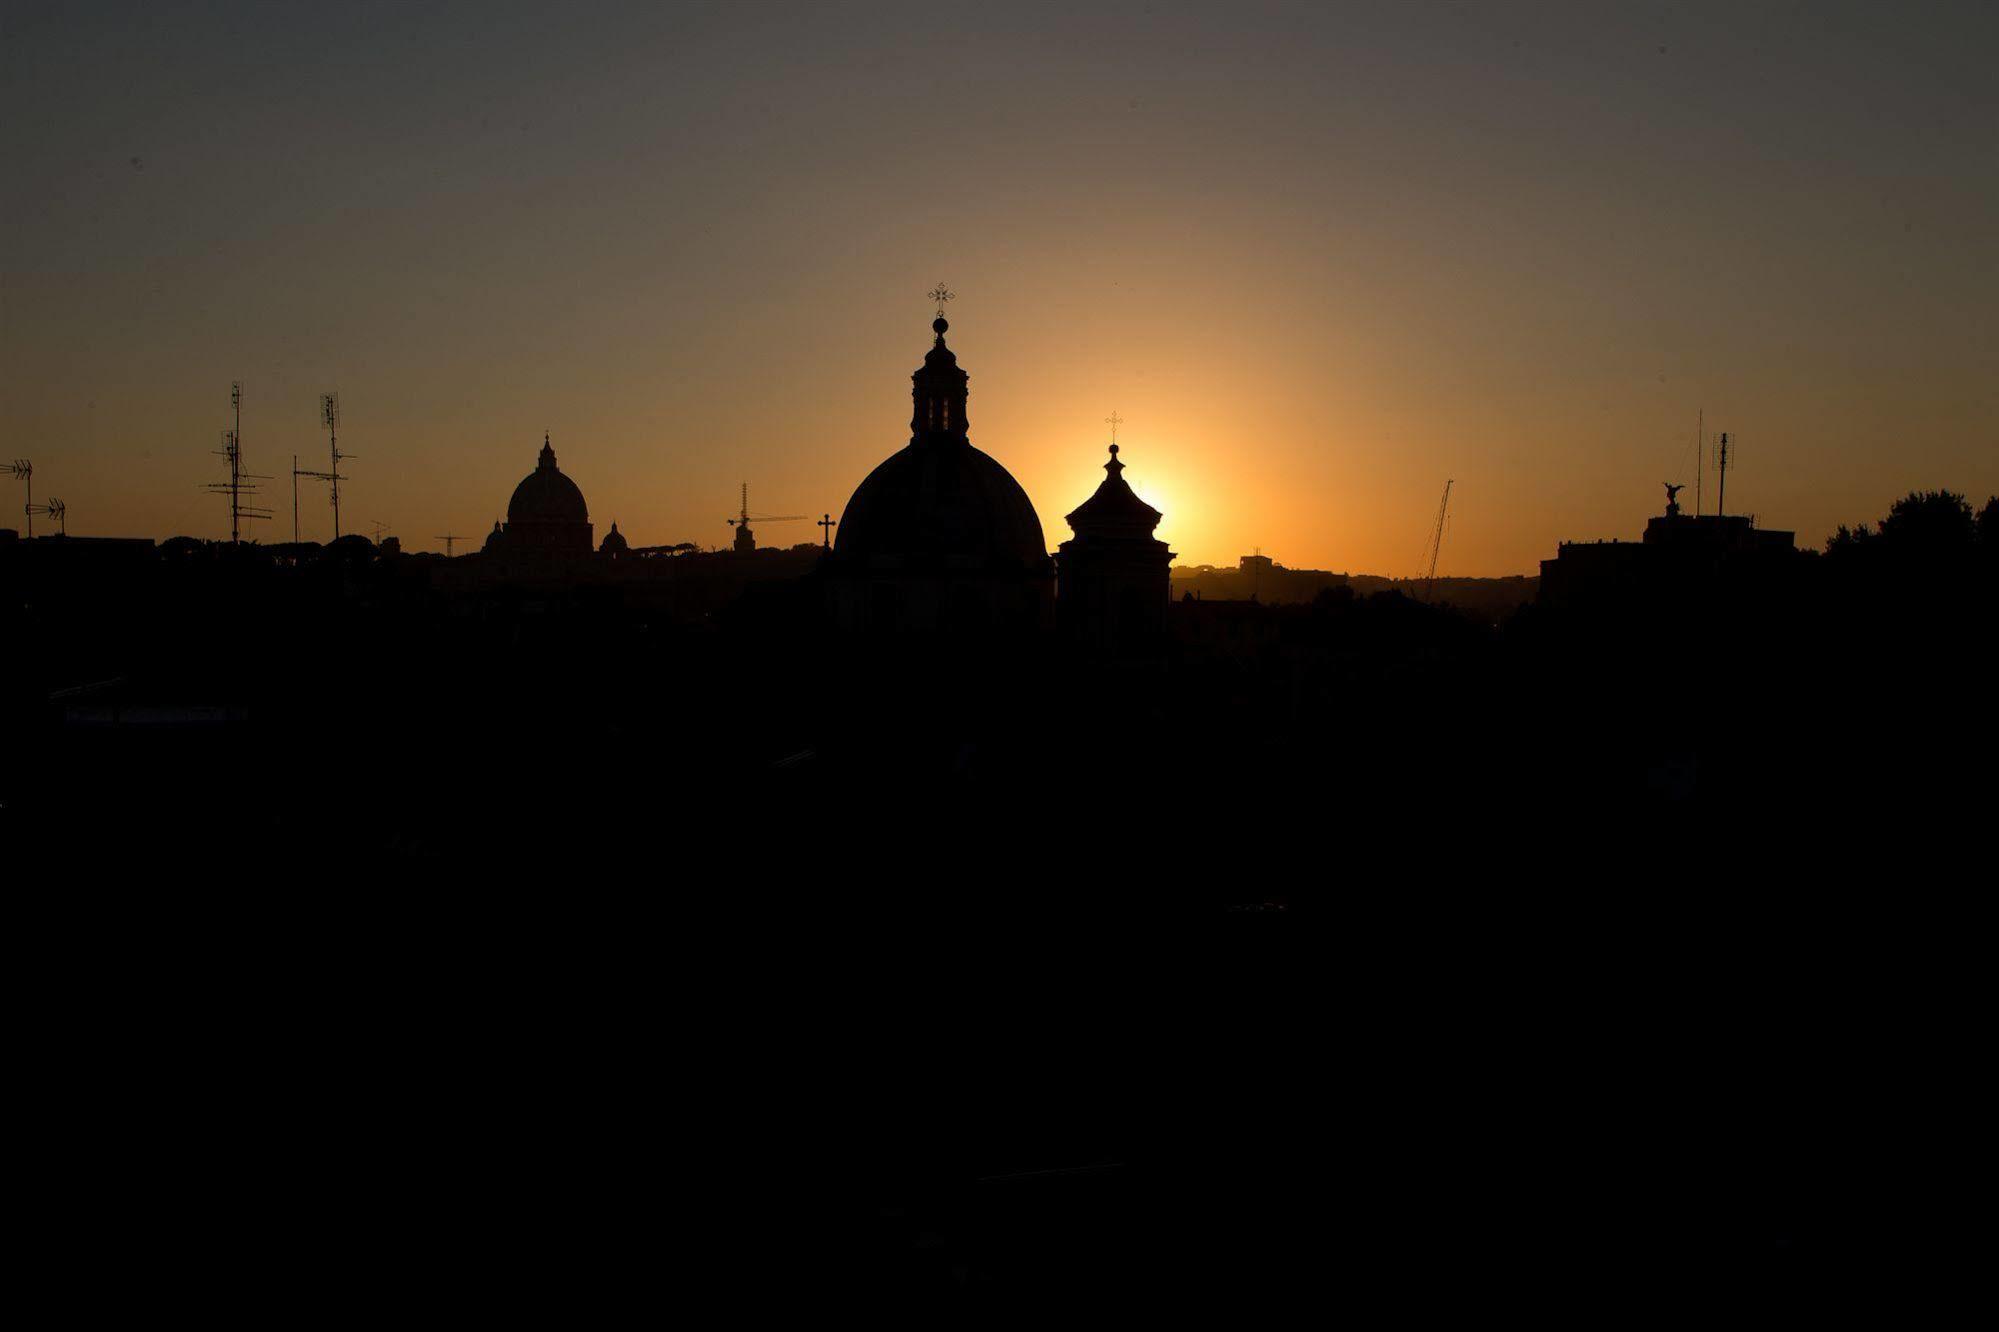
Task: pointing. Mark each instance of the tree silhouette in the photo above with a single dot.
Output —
(1849, 540)
(1934, 524)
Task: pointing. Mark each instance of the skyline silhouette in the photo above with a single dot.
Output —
(1250, 757)
(1321, 260)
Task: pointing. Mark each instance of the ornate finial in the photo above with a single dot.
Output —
(940, 295)
(1113, 421)
(1113, 466)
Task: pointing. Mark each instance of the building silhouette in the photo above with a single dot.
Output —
(1113, 578)
(1680, 555)
(546, 519)
(614, 545)
(940, 540)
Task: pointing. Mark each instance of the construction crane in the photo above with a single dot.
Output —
(1437, 541)
(745, 539)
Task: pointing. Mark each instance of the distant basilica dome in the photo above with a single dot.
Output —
(547, 514)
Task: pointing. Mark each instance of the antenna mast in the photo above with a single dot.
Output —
(235, 487)
(1721, 489)
(329, 412)
(1700, 456)
(24, 470)
(1437, 541)
(55, 509)
(329, 416)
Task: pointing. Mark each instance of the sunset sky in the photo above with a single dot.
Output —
(1320, 257)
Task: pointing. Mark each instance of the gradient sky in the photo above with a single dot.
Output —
(1319, 256)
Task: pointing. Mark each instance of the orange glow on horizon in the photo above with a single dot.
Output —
(696, 251)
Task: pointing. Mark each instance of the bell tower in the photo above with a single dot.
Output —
(938, 387)
(1113, 578)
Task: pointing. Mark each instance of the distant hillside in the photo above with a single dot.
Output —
(1489, 599)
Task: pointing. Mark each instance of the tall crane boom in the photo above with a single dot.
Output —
(1437, 541)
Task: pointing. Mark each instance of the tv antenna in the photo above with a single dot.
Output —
(236, 487)
(55, 509)
(1437, 541)
(329, 416)
(380, 527)
(24, 470)
(449, 539)
(1700, 455)
(1721, 481)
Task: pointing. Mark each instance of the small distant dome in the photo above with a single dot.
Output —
(614, 542)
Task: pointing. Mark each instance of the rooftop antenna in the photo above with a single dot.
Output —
(1721, 486)
(55, 509)
(449, 539)
(235, 487)
(24, 470)
(329, 416)
(1700, 456)
(380, 527)
(1437, 541)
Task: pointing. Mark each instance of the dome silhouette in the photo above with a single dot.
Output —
(545, 495)
(546, 516)
(939, 501)
(949, 506)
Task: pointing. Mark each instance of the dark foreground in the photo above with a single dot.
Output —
(567, 965)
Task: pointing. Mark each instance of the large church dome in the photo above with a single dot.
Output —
(940, 502)
(949, 506)
(546, 516)
(545, 495)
